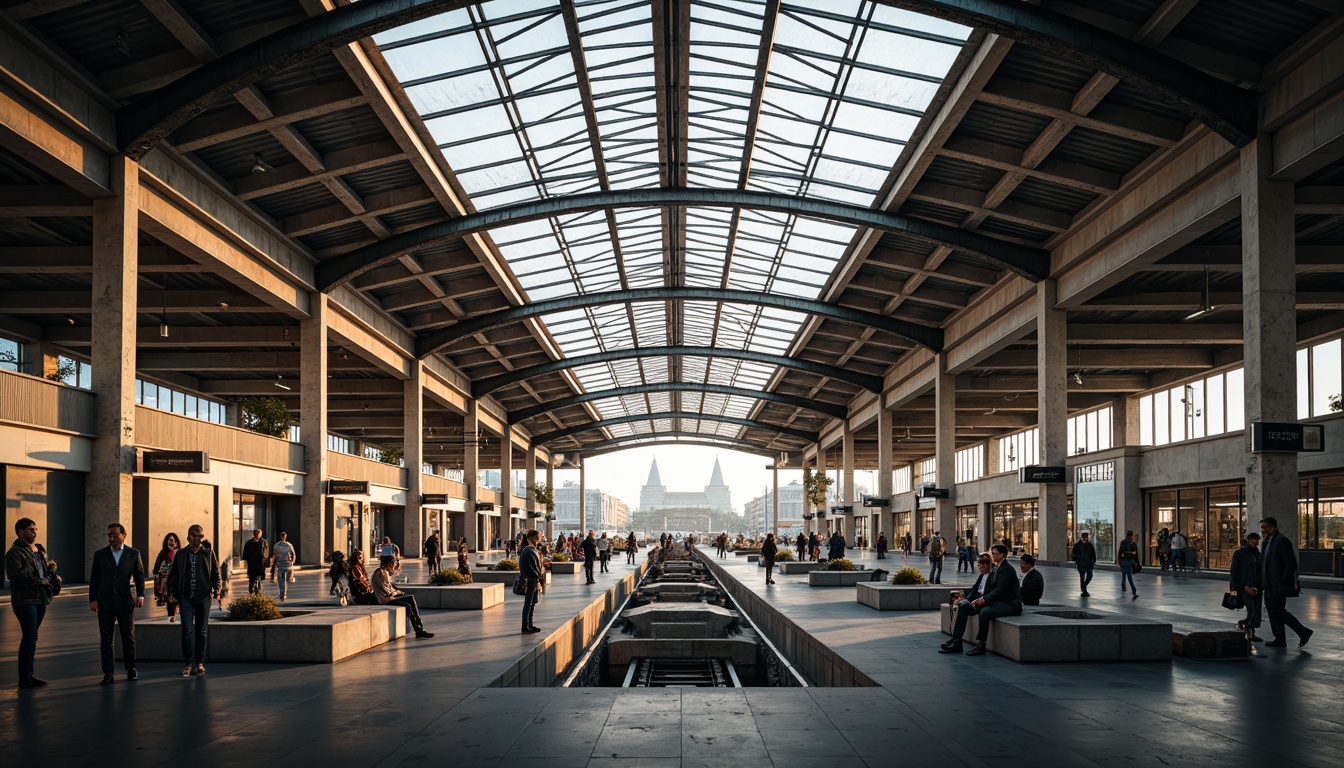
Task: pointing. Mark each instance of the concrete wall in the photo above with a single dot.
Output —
(163, 506)
(39, 448)
(56, 501)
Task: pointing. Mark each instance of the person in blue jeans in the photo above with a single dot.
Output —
(1084, 556)
(29, 573)
(283, 556)
(194, 582)
(529, 567)
(1129, 557)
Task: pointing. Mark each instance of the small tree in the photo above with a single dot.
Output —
(815, 486)
(542, 494)
(391, 456)
(265, 415)
(1337, 402)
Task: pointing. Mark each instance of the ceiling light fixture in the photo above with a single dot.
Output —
(259, 165)
(1205, 300)
(1078, 378)
(123, 42)
(163, 319)
(280, 382)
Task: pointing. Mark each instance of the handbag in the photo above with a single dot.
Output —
(1138, 568)
(54, 583)
(1232, 600)
(520, 586)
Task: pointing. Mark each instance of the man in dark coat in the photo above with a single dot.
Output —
(256, 553)
(589, 555)
(115, 568)
(1001, 597)
(529, 567)
(1245, 581)
(1033, 583)
(1278, 580)
(433, 551)
(837, 546)
(1085, 558)
(962, 609)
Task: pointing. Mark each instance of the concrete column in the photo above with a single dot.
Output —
(583, 498)
(945, 447)
(885, 453)
(818, 525)
(1124, 422)
(413, 454)
(471, 466)
(1269, 327)
(507, 530)
(530, 480)
(991, 457)
(550, 483)
(847, 497)
(1129, 501)
(313, 429)
(1053, 402)
(774, 499)
(115, 274)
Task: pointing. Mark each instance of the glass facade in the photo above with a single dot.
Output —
(1321, 513)
(1209, 516)
(1015, 523)
(968, 525)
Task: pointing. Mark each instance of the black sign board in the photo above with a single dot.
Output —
(1286, 436)
(929, 492)
(348, 487)
(1036, 473)
(847, 509)
(876, 501)
(821, 514)
(175, 461)
(433, 498)
(485, 506)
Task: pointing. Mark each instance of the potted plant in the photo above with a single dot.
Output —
(506, 565)
(841, 564)
(908, 576)
(543, 495)
(448, 577)
(254, 608)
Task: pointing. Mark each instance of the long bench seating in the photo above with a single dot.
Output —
(1058, 634)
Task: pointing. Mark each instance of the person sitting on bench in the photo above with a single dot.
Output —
(1001, 598)
(1033, 583)
(961, 605)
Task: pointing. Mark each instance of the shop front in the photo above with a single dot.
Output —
(968, 526)
(1014, 524)
(1209, 516)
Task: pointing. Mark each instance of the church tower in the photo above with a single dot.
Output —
(717, 493)
(651, 495)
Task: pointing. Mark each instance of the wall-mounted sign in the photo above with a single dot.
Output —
(930, 492)
(1286, 436)
(1036, 473)
(433, 498)
(175, 461)
(845, 509)
(348, 487)
(926, 503)
(485, 506)
(876, 501)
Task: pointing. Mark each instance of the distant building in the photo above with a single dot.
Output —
(758, 510)
(715, 498)
(604, 511)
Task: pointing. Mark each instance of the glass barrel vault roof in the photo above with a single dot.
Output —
(501, 90)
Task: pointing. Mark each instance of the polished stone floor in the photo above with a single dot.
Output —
(423, 702)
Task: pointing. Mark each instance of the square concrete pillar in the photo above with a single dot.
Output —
(550, 483)
(1053, 415)
(1269, 300)
(313, 428)
(530, 480)
(1124, 421)
(508, 529)
(774, 499)
(115, 275)
(885, 459)
(413, 455)
(471, 425)
(583, 499)
(945, 448)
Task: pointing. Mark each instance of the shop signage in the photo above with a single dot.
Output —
(175, 461)
(485, 506)
(433, 498)
(926, 503)
(930, 492)
(876, 501)
(1036, 473)
(847, 509)
(348, 487)
(1286, 436)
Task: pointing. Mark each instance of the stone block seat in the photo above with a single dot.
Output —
(824, 578)
(793, 567)
(568, 566)
(458, 597)
(883, 596)
(498, 577)
(1044, 634)
(317, 635)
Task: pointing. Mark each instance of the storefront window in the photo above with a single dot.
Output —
(1094, 495)
(968, 525)
(1161, 515)
(1329, 513)
(1190, 520)
(1015, 524)
(1226, 512)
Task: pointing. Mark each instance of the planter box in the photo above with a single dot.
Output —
(820, 578)
(498, 577)
(569, 566)
(458, 597)
(743, 552)
(794, 566)
(319, 636)
(891, 597)
(755, 559)
(1055, 634)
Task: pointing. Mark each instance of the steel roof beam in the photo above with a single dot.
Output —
(665, 438)
(863, 381)
(1032, 263)
(923, 335)
(828, 409)
(550, 437)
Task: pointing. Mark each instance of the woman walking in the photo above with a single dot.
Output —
(881, 546)
(162, 565)
(630, 549)
(1129, 560)
(768, 552)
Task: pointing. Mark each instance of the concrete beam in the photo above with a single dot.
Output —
(1137, 358)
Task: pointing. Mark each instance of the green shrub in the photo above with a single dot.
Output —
(254, 608)
(783, 554)
(908, 575)
(559, 557)
(447, 578)
(841, 564)
(506, 565)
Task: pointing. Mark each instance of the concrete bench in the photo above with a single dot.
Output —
(793, 567)
(820, 578)
(568, 566)
(319, 635)
(1058, 634)
(458, 597)
(499, 577)
(743, 552)
(883, 596)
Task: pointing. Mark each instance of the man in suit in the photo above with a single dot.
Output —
(1033, 583)
(529, 567)
(962, 609)
(114, 569)
(1085, 557)
(1001, 597)
(256, 553)
(1278, 582)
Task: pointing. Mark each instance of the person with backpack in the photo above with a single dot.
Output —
(937, 546)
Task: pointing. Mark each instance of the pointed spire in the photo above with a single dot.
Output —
(717, 477)
(654, 478)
